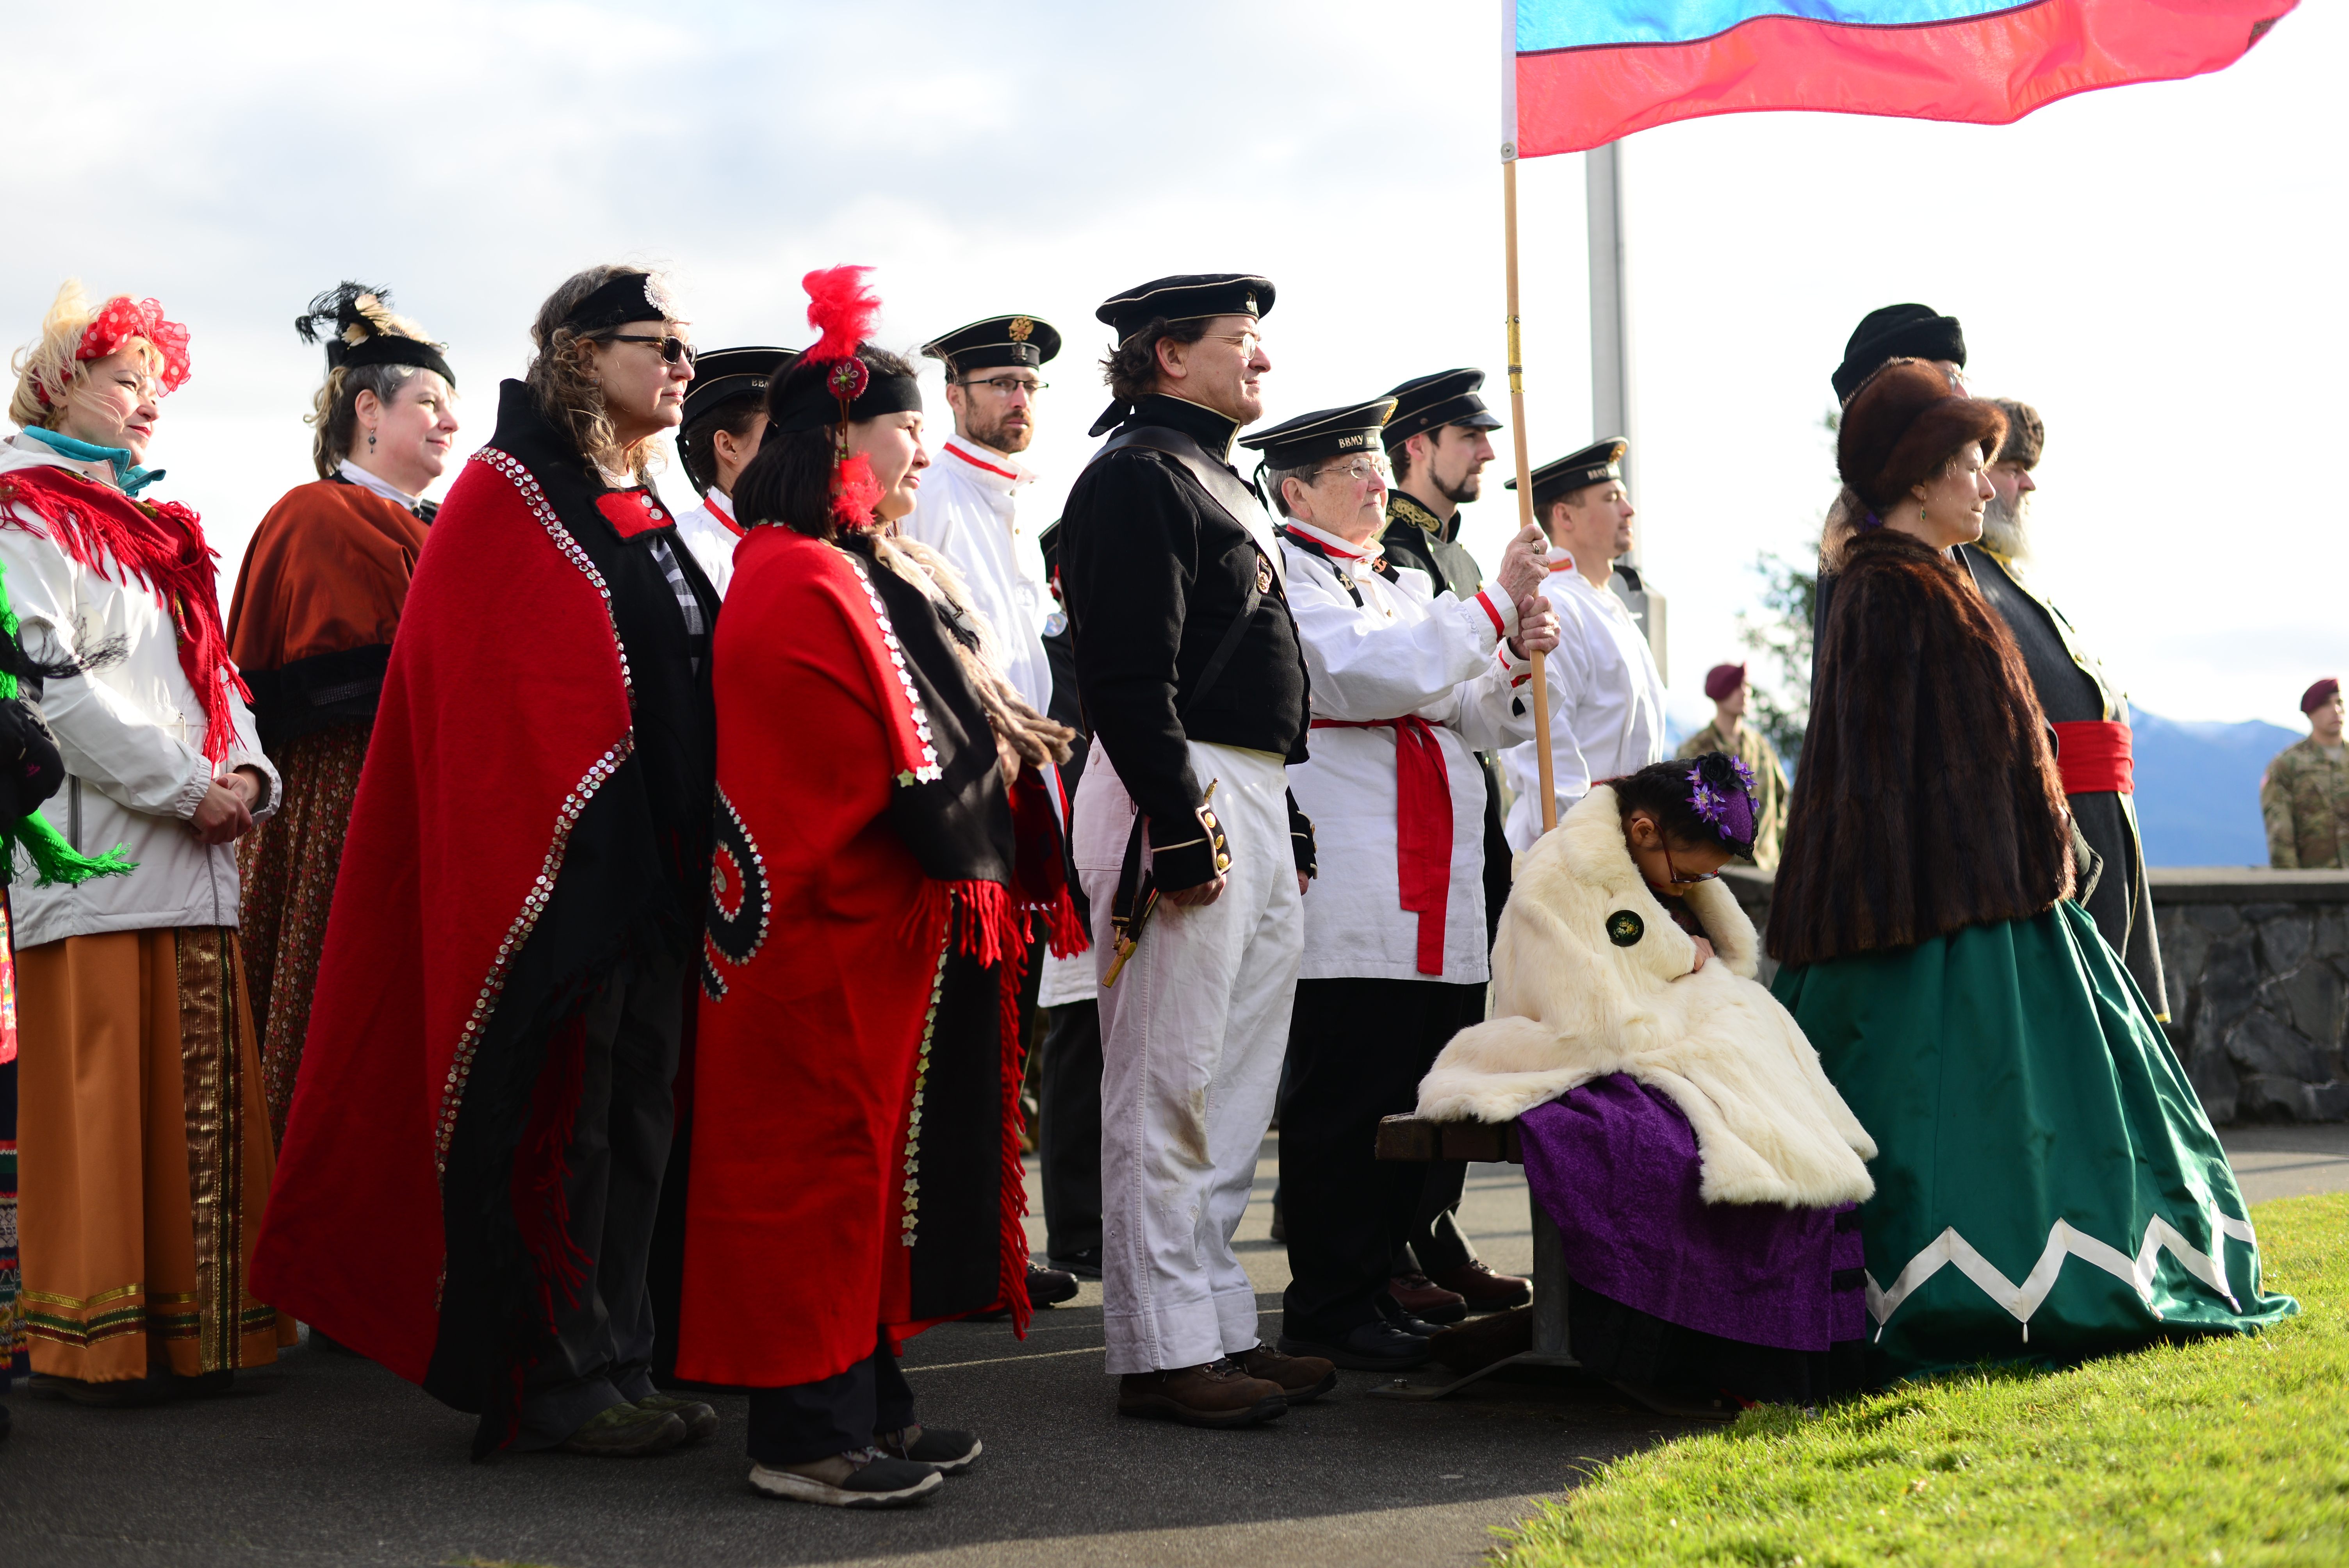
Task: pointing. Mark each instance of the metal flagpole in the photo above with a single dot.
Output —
(1524, 474)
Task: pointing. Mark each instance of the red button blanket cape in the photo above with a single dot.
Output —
(855, 1156)
(463, 816)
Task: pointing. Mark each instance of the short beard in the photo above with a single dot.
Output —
(2007, 531)
(1467, 487)
(1002, 438)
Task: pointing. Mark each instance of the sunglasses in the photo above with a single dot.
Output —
(672, 349)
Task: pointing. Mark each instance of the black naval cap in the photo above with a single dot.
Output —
(1896, 331)
(1000, 340)
(1324, 433)
(1424, 403)
(722, 375)
(1595, 464)
(1186, 296)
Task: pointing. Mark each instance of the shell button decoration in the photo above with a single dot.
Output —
(739, 907)
(1625, 928)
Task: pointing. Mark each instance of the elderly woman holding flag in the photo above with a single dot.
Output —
(1407, 687)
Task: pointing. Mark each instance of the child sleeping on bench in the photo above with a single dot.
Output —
(1700, 1169)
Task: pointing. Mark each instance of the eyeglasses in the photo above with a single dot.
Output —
(1682, 879)
(1248, 343)
(672, 349)
(1007, 385)
(1361, 470)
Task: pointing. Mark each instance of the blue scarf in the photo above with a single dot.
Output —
(128, 474)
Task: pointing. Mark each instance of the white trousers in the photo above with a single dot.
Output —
(1193, 1035)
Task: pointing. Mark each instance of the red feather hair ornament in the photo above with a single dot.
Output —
(842, 310)
(855, 493)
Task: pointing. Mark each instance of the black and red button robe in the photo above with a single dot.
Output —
(855, 1160)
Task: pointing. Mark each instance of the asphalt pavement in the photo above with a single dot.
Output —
(326, 1460)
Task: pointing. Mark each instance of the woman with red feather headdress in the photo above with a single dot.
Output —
(882, 837)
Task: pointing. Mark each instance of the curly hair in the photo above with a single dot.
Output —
(560, 378)
(1131, 367)
(47, 365)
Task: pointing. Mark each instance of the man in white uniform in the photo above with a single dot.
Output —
(725, 417)
(1608, 693)
(1407, 687)
(969, 507)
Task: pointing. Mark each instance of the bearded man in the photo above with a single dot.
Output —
(2089, 712)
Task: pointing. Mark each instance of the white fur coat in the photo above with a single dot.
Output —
(1571, 1003)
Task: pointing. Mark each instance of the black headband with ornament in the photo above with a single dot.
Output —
(832, 385)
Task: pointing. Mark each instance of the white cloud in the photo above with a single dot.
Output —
(2154, 267)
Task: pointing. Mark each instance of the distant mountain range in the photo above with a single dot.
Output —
(2197, 784)
(2197, 788)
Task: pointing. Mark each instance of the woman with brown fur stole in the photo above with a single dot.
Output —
(2047, 1185)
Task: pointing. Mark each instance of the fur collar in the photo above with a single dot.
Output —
(1592, 977)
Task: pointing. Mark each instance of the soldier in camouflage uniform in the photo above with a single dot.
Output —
(2305, 795)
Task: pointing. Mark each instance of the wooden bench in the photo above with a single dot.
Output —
(1491, 1143)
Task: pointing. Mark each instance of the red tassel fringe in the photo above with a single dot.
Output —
(841, 309)
(541, 1206)
(1013, 1250)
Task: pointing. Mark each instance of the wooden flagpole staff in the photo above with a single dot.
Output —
(1524, 476)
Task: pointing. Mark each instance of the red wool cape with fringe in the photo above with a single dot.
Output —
(462, 818)
(858, 1027)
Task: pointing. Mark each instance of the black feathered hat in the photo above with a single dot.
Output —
(361, 330)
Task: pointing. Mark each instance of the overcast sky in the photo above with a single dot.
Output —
(2157, 268)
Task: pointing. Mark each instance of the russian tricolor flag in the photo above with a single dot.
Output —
(1581, 73)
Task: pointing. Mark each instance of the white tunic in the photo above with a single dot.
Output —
(708, 531)
(132, 730)
(1403, 650)
(1608, 694)
(966, 510)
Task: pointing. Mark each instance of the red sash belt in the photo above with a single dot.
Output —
(1423, 826)
(2095, 758)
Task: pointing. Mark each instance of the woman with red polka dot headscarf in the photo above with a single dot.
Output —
(145, 1156)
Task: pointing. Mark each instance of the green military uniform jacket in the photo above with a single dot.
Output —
(2305, 800)
(1753, 749)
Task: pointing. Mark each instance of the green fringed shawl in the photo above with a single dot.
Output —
(54, 860)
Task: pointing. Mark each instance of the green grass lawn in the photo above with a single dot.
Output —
(2225, 1451)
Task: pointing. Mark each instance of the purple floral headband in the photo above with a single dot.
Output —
(1723, 798)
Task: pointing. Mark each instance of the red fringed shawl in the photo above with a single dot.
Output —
(158, 544)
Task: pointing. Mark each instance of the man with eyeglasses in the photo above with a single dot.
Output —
(1192, 852)
(1408, 683)
(1603, 676)
(968, 507)
(1440, 440)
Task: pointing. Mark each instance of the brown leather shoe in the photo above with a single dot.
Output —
(1302, 1378)
(1425, 1299)
(1484, 1290)
(1215, 1394)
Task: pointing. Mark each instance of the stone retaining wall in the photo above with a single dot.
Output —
(2257, 965)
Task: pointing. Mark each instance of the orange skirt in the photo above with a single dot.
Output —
(143, 1156)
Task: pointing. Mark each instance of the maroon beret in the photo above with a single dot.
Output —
(1722, 679)
(2319, 694)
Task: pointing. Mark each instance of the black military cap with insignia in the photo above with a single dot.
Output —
(1426, 403)
(1186, 296)
(1595, 464)
(997, 342)
(1350, 431)
(722, 375)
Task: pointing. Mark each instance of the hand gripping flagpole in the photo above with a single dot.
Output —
(1524, 466)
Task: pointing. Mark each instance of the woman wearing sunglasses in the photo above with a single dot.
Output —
(520, 901)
